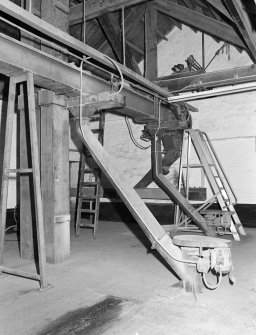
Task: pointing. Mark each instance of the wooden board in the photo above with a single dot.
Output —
(196, 241)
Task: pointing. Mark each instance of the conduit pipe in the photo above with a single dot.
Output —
(240, 88)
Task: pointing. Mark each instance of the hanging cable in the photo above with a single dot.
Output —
(159, 116)
(80, 100)
(212, 287)
(188, 117)
(120, 74)
(132, 136)
(216, 54)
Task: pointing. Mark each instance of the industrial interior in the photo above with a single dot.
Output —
(128, 151)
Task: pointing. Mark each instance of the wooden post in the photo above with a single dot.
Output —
(55, 175)
(55, 150)
(150, 64)
(27, 213)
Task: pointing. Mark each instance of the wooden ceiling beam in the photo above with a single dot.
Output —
(150, 63)
(95, 8)
(110, 27)
(244, 25)
(218, 5)
(200, 22)
(130, 22)
(135, 48)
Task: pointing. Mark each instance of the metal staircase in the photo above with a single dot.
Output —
(225, 219)
(89, 183)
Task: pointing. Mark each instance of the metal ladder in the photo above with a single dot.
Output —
(218, 181)
(89, 184)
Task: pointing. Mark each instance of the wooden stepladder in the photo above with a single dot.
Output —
(28, 79)
(89, 184)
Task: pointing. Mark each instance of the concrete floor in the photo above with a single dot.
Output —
(118, 264)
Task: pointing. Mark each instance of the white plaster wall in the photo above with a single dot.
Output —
(11, 202)
(133, 162)
(229, 121)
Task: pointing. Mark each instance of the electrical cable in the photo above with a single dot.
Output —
(132, 136)
(120, 74)
(216, 54)
(209, 286)
(159, 117)
(189, 115)
(80, 100)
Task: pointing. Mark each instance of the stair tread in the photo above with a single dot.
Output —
(88, 183)
(96, 131)
(89, 211)
(89, 197)
(87, 225)
(91, 170)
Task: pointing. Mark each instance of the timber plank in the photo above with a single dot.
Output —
(150, 42)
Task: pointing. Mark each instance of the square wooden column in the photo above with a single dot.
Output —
(55, 175)
(150, 62)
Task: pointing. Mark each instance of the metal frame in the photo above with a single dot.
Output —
(171, 191)
(208, 161)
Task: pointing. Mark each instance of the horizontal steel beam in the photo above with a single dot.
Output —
(208, 80)
(240, 88)
(63, 78)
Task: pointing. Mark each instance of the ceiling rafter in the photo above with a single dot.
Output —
(131, 20)
(158, 32)
(218, 6)
(94, 8)
(244, 25)
(110, 26)
(201, 22)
